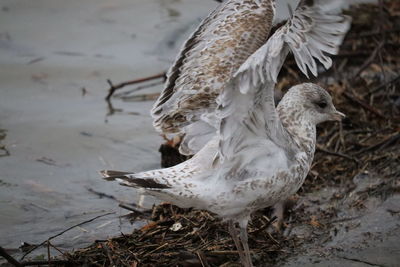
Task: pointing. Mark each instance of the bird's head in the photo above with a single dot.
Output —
(313, 102)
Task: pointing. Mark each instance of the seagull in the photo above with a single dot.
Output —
(263, 162)
(261, 153)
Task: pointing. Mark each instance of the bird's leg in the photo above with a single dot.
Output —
(279, 211)
(235, 236)
(244, 239)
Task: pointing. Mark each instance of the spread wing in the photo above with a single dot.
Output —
(246, 105)
(223, 41)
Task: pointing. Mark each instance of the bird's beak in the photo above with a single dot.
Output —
(337, 116)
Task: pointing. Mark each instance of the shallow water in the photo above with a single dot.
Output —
(58, 137)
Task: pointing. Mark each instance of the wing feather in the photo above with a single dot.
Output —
(183, 57)
(246, 105)
(221, 43)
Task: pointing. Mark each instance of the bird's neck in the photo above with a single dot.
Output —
(300, 129)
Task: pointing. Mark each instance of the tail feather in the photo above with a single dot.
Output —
(147, 183)
(128, 179)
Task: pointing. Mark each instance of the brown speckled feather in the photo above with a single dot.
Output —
(223, 41)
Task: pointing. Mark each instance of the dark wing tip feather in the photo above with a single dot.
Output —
(132, 181)
(112, 175)
(148, 183)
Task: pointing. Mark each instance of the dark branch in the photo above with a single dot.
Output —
(114, 88)
(62, 232)
(9, 258)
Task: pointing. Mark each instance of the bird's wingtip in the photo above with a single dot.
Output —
(103, 173)
(110, 175)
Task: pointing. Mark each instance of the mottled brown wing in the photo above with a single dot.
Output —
(223, 41)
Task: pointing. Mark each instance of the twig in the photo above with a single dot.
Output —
(273, 239)
(79, 224)
(388, 141)
(269, 222)
(105, 248)
(9, 258)
(361, 261)
(134, 209)
(48, 251)
(130, 92)
(64, 231)
(202, 259)
(101, 194)
(364, 105)
(56, 248)
(111, 109)
(158, 248)
(393, 81)
(373, 33)
(344, 219)
(113, 87)
(369, 59)
(37, 263)
(223, 252)
(338, 154)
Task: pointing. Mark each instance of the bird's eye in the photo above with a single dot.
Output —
(322, 104)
